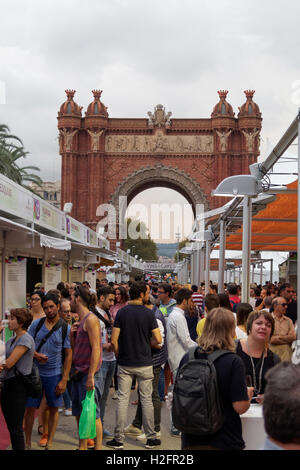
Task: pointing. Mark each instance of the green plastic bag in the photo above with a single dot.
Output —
(87, 421)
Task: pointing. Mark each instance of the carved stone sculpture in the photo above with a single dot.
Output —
(95, 139)
(250, 139)
(223, 139)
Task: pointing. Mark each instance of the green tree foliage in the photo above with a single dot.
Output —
(11, 150)
(143, 245)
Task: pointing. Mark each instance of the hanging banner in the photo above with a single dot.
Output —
(76, 230)
(76, 274)
(53, 276)
(15, 200)
(48, 216)
(15, 283)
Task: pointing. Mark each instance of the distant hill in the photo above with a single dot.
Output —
(166, 249)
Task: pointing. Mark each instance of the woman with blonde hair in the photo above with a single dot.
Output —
(218, 334)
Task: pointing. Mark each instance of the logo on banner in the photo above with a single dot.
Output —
(36, 209)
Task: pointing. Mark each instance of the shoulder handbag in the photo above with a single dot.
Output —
(32, 381)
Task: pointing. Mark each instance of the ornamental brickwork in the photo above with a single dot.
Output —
(104, 158)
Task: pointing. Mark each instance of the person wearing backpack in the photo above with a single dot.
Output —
(105, 297)
(53, 354)
(210, 391)
(178, 335)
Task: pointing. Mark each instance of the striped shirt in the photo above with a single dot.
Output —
(83, 350)
(198, 299)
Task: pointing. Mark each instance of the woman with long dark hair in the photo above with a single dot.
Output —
(121, 300)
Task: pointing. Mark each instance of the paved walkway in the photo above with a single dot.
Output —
(66, 434)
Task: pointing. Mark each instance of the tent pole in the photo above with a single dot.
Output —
(222, 257)
(247, 212)
(298, 238)
(3, 273)
(207, 266)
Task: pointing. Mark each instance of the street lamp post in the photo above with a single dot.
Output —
(177, 238)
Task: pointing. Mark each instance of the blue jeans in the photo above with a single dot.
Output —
(107, 371)
(49, 386)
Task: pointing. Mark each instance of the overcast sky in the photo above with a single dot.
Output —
(141, 53)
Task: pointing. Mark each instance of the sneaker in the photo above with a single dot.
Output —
(141, 437)
(68, 412)
(44, 440)
(107, 433)
(90, 443)
(115, 396)
(60, 410)
(151, 443)
(132, 430)
(114, 444)
(175, 432)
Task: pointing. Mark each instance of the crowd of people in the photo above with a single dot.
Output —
(142, 332)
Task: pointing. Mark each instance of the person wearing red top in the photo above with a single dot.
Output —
(234, 299)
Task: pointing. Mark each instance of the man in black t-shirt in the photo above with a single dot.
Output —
(134, 327)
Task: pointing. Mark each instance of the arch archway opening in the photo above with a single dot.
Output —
(165, 211)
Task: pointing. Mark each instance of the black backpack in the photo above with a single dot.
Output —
(196, 407)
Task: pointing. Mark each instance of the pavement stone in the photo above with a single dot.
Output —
(66, 437)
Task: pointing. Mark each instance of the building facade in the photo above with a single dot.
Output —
(50, 191)
(105, 158)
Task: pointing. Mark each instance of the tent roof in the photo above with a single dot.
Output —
(274, 228)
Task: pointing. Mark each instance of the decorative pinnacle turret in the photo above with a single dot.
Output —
(70, 94)
(222, 94)
(97, 94)
(249, 93)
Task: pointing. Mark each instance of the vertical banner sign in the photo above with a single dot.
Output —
(90, 276)
(15, 283)
(52, 276)
(76, 274)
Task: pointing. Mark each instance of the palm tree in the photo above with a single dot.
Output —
(11, 150)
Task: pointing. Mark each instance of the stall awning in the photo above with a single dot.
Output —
(274, 228)
(57, 243)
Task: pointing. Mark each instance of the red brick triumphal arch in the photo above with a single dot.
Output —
(104, 158)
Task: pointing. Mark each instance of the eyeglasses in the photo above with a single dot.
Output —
(35, 299)
(284, 305)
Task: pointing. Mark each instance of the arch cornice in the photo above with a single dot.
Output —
(159, 175)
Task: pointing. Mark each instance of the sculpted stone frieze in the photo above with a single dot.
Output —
(159, 143)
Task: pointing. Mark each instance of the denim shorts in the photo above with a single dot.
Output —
(79, 391)
(49, 385)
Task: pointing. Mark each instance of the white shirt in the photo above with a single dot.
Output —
(106, 355)
(178, 338)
